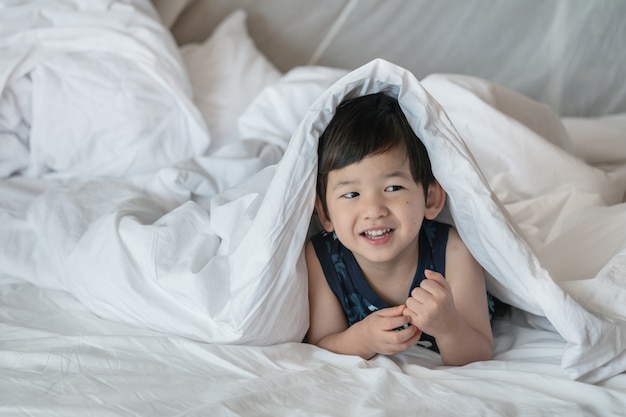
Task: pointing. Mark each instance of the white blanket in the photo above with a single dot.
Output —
(92, 88)
(227, 267)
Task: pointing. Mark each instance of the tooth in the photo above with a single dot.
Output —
(375, 233)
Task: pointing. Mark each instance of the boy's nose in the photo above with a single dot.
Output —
(374, 209)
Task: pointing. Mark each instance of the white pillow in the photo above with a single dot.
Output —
(226, 72)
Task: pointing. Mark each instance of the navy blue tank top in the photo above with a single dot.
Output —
(346, 280)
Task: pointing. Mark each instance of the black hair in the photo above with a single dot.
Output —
(369, 125)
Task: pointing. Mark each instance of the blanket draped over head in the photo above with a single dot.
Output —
(546, 227)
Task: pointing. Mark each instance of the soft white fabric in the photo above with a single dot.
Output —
(226, 71)
(275, 113)
(57, 358)
(45, 238)
(101, 90)
(570, 214)
(599, 139)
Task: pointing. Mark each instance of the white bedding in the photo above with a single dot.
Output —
(141, 241)
(59, 359)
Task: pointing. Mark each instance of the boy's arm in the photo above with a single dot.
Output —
(454, 310)
(467, 281)
(325, 313)
(329, 329)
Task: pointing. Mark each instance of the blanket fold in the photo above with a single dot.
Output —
(93, 88)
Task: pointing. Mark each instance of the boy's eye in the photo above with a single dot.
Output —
(350, 195)
(393, 188)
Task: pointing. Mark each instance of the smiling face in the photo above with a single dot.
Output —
(376, 208)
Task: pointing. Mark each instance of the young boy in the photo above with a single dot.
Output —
(376, 274)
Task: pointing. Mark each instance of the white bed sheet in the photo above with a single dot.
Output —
(58, 358)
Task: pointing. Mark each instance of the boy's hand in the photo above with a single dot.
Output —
(381, 334)
(431, 306)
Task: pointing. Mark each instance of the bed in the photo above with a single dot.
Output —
(157, 165)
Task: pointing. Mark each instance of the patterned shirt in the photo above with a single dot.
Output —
(346, 280)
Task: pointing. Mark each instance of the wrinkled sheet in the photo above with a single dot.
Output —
(57, 358)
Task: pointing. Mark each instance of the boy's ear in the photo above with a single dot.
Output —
(435, 199)
(321, 215)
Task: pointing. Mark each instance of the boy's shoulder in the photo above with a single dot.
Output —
(456, 250)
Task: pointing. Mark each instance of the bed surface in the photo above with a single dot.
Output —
(151, 232)
(58, 358)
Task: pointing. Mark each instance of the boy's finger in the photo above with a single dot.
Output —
(411, 334)
(432, 276)
(392, 311)
(397, 322)
(435, 276)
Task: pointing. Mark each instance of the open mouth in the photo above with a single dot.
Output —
(377, 234)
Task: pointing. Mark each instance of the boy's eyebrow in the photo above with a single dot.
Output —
(344, 183)
(350, 182)
(398, 173)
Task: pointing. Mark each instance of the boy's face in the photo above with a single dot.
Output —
(376, 208)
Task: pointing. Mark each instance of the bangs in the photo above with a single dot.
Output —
(363, 129)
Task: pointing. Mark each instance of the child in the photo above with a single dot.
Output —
(376, 274)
